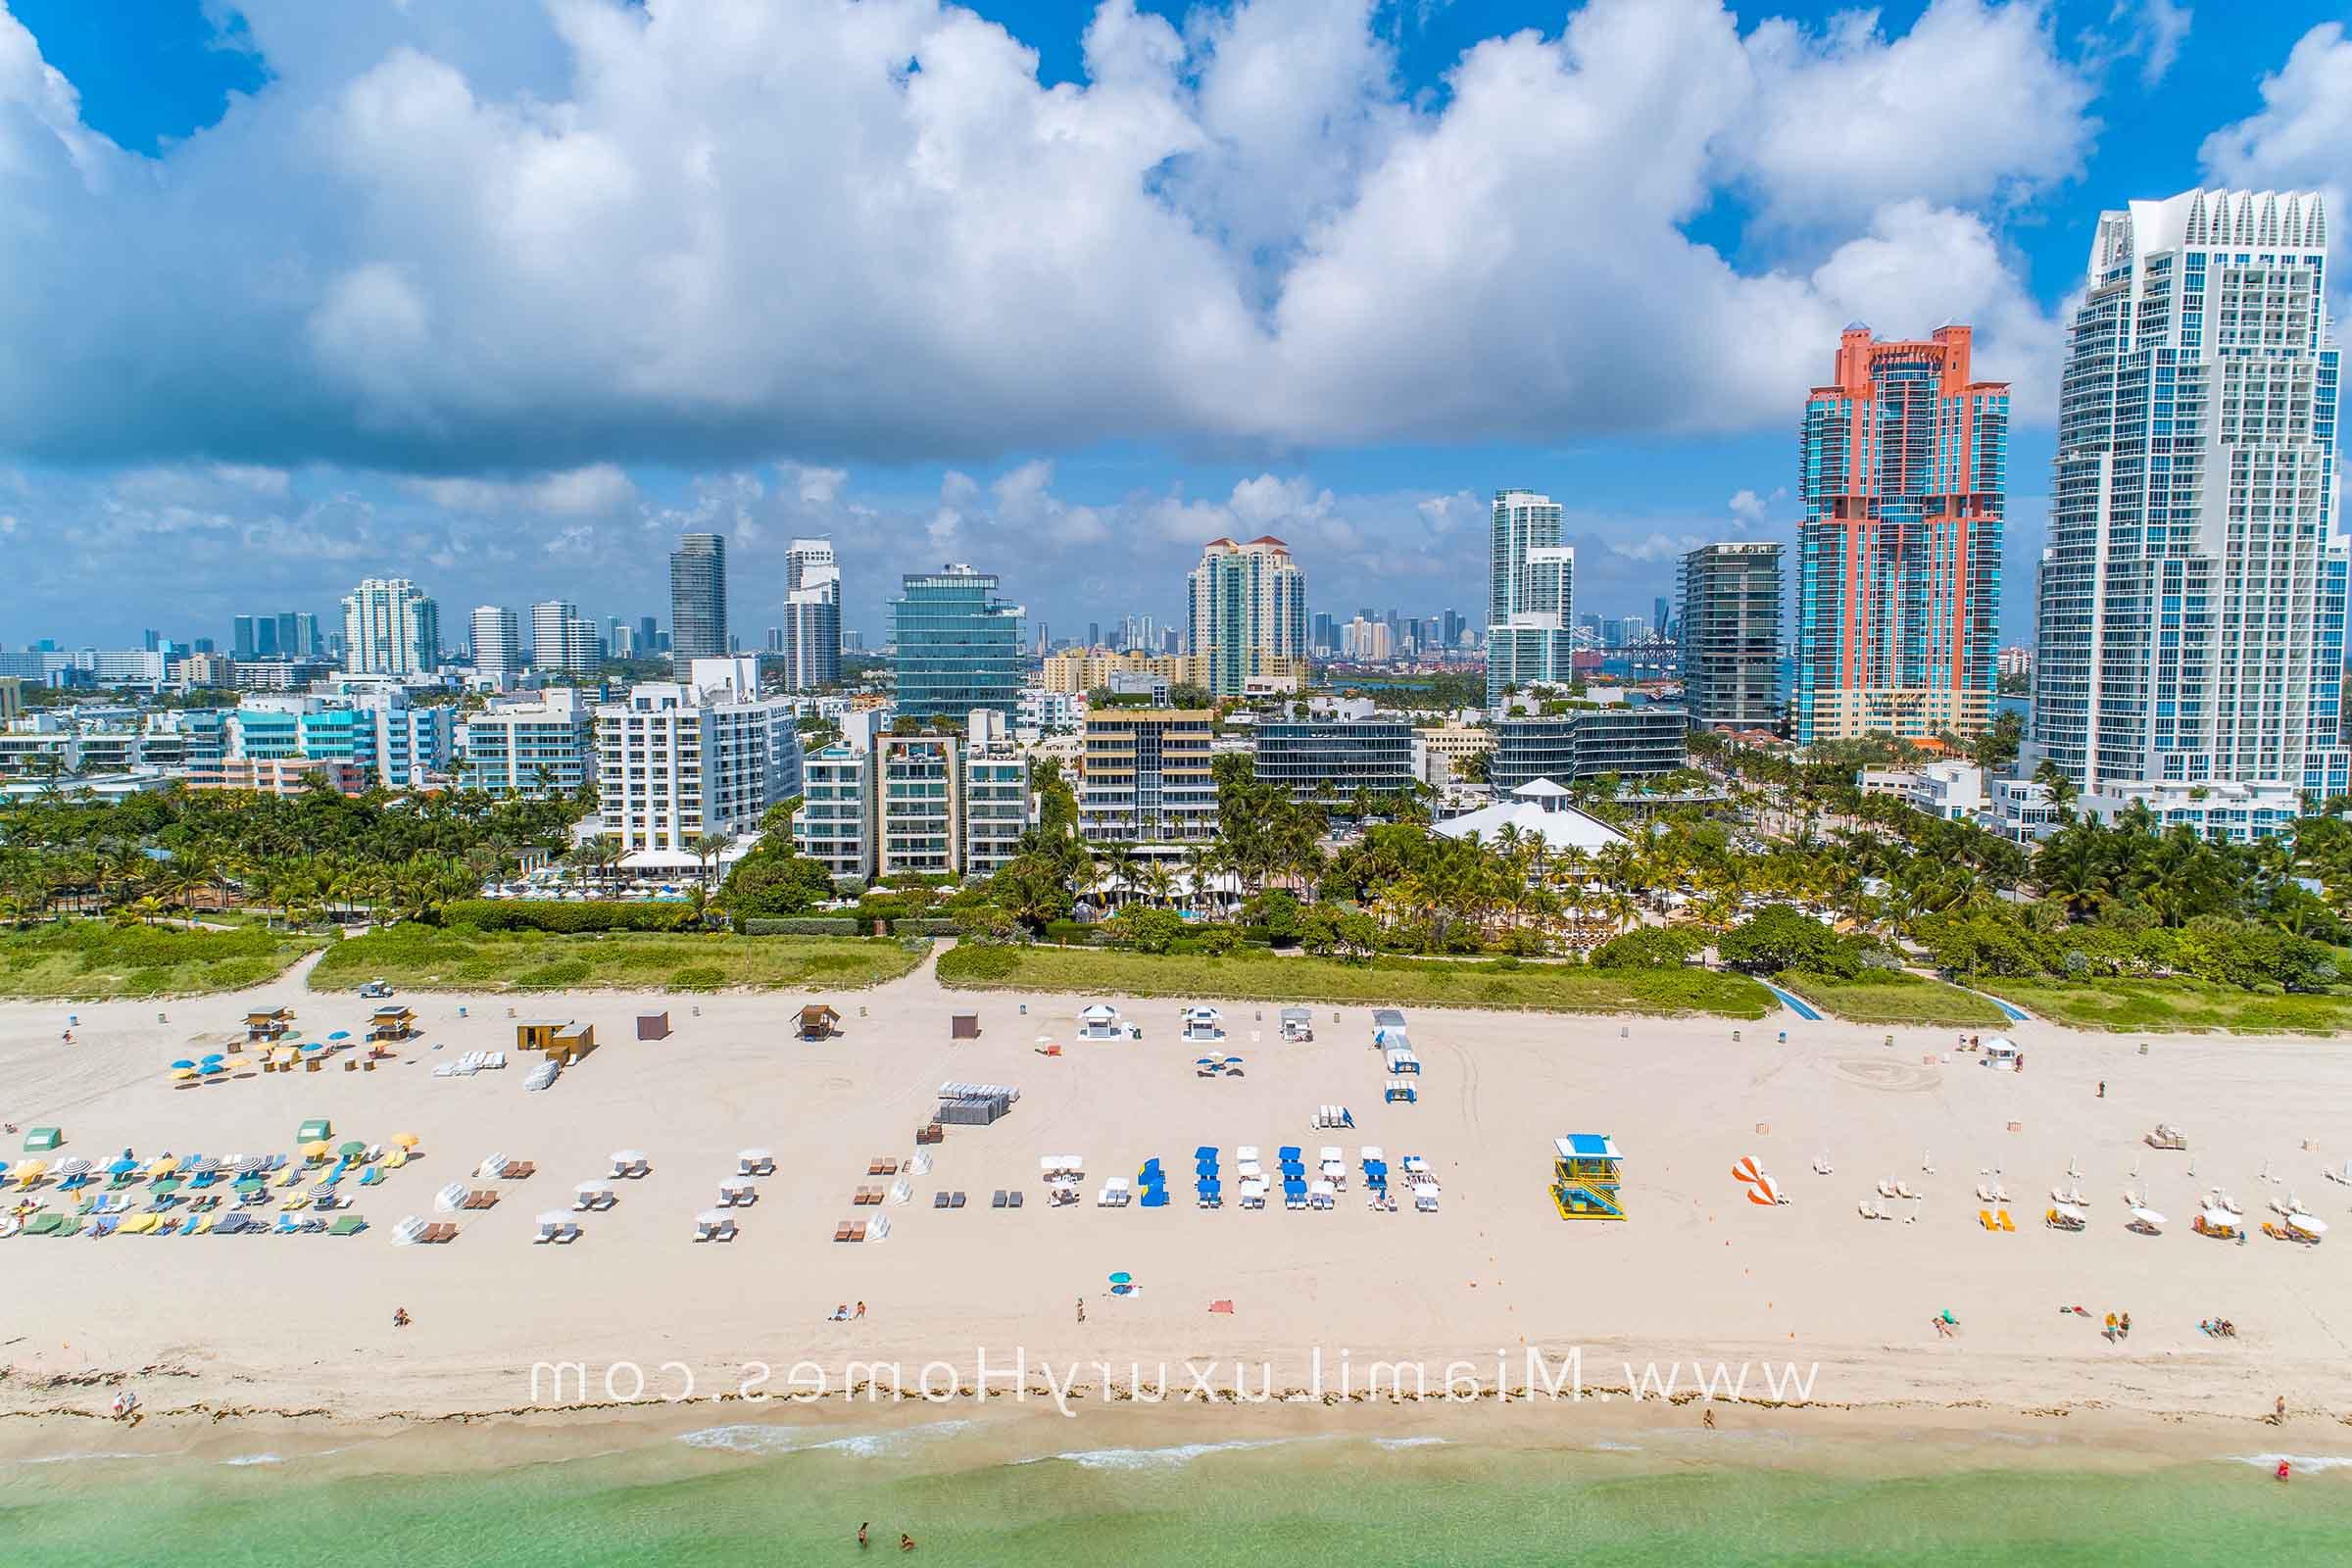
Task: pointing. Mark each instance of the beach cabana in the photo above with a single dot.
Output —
(1587, 1176)
(1203, 1024)
(392, 1021)
(267, 1023)
(1400, 1092)
(2001, 1053)
(1403, 1060)
(1298, 1024)
(964, 1026)
(652, 1026)
(317, 1130)
(562, 1038)
(42, 1140)
(1386, 1018)
(819, 1022)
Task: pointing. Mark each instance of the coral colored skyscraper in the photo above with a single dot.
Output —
(1905, 479)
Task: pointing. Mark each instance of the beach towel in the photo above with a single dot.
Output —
(1220, 1306)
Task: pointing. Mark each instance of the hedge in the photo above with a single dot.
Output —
(549, 915)
(924, 928)
(803, 926)
(1071, 931)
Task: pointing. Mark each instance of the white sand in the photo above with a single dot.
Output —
(303, 1323)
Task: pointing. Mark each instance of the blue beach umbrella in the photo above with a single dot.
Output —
(340, 1034)
(183, 1064)
(313, 1046)
(1233, 1062)
(217, 1055)
(1122, 1277)
(1205, 1152)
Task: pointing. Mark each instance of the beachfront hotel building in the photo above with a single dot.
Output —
(1247, 609)
(1143, 777)
(497, 642)
(378, 732)
(955, 644)
(698, 598)
(1728, 633)
(504, 749)
(1332, 758)
(1904, 473)
(1531, 596)
(390, 627)
(1085, 669)
(812, 630)
(2191, 614)
(677, 759)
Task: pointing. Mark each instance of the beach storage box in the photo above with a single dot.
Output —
(41, 1140)
(652, 1026)
(975, 1111)
(964, 1026)
(313, 1130)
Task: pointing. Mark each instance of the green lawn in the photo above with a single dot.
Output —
(424, 958)
(1264, 977)
(2152, 1006)
(1887, 997)
(93, 961)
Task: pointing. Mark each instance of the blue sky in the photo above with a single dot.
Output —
(499, 298)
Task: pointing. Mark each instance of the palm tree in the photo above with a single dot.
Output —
(708, 846)
(1159, 883)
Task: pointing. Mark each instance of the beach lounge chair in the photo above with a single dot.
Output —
(485, 1199)
(938, 1199)
(2007, 1223)
(841, 1231)
(1984, 1218)
(957, 1201)
(756, 1163)
(347, 1225)
(995, 1200)
(1012, 1198)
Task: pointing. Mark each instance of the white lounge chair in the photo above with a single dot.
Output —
(713, 1225)
(756, 1163)
(593, 1195)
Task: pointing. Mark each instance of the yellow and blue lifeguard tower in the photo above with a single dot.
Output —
(1586, 1170)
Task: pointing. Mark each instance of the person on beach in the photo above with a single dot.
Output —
(2102, 1089)
(2124, 1326)
(2110, 1327)
(861, 1309)
(400, 1317)
(2279, 1414)
(862, 1541)
(2282, 1469)
(1706, 1418)
(1082, 1309)
(906, 1542)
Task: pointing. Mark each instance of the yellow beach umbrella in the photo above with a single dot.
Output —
(315, 1151)
(237, 1063)
(405, 1140)
(182, 1074)
(163, 1166)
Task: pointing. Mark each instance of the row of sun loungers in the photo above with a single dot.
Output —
(414, 1231)
(471, 1062)
(232, 1223)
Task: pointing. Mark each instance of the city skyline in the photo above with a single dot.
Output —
(201, 524)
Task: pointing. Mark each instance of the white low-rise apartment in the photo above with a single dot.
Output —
(2022, 810)
(678, 760)
(2224, 812)
(1951, 791)
(508, 745)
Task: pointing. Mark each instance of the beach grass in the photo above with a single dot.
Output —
(95, 960)
(1258, 976)
(1892, 997)
(424, 958)
(2154, 1006)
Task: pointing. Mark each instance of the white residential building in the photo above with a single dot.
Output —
(996, 807)
(2226, 813)
(497, 641)
(504, 747)
(2020, 810)
(678, 760)
(835, 824)
(1531, 596)
(812, 630)
(562, 641)
(1042, 709)
(390, 627)
(2190, 637)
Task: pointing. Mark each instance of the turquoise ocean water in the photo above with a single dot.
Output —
(1343, 1502)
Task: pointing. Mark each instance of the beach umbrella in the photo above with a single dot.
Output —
(122, 1165)
(182, 1064)
(1233, 1062)
(183, 1075)
(405, 1140)
(1122, 1277)
(2305, 1222)
(212, 1068)
(312, 1047)
(353, 1150)
(215, 1056)
(163, 1166)
(1205, 1152)
(2147, 1216)
(1205, 1061)
(250, 1165)
(315, 1151)
(237, 1063)
(340, 1034)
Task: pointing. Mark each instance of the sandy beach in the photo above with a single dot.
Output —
(273, 1327)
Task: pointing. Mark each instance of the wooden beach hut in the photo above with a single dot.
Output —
(652, 1026)
(819, 1022)
(392, 1021)
(964, 1026)
(267, 1023)
(562, 1038)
